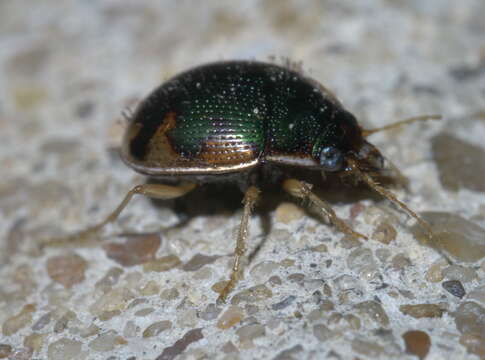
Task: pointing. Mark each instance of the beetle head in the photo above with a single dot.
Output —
(342, 139)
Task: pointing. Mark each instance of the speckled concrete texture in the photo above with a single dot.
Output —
(146, 287)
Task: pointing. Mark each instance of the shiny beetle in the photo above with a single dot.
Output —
(236, 121)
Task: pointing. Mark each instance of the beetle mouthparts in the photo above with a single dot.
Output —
(370, 158)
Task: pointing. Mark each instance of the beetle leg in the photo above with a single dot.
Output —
(154, 191)
(250, 198)
(302, 190)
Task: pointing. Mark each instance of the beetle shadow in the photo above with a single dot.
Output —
(226, 198)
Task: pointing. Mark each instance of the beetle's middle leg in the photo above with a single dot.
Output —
(302, 190)
(154, 191)
(250, 198)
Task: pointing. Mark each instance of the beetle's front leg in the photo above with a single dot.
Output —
(250, 198)
(154, 191)
(302, 190)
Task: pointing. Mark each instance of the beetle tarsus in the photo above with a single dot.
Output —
(154, 191)
(250, 198)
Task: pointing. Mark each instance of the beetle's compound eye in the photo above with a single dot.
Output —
(331, 158)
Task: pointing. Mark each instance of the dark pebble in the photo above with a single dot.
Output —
(454, 287)
(283, 304)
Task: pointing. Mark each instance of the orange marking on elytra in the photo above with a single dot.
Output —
(168, 123)
(160, 151)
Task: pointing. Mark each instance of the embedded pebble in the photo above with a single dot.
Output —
(460, 273)
(262, 270)
(344, 322)
(114, 300)
(315, 315)
(180, 345)
(169, 294)
(347, 282)
(288, 212)
(459, 237)
(322, 333)
(23, 353)
(35, 341)
(417, 343)
(384, 233)
(275, 280)
(109, 279)
(19, 321)
(478, 294)
(362, 261)
(470, 318)
(383, 254)
(156, 328)
(435, 271)
(203, 274)
(130, 329)
(453, 157)
(137, 302)
(320, 248)
(253, 294)
(187, 318)
(211, 312)
(63, 321)
(5, 350)
(65, 349)
(474, 343)
(284, 303)
(290, 354)
(400, 262)
(198, 261)
(349, 242)
(296, 278)
(287, 262)
(150, 288)
(229, 348)
(42, 321)
(107, 341)
(367, 348)
(454, 287)
(232, 316)
(251, 309)
(250, 332)
(135, 250)
(422, 310)
(133, 280)
(67, 270)
(374, 312)
(144, 312)
(89, 331)
(162, 264)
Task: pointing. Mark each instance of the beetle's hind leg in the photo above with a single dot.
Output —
(250, 198)
(302, 190)
(154, 191)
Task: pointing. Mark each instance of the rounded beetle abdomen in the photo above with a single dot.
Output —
(207, 120)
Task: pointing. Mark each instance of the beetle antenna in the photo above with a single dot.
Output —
(367, 132)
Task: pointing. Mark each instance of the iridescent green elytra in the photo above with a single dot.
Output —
(231, 116)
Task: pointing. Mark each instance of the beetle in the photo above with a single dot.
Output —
(238, 121)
